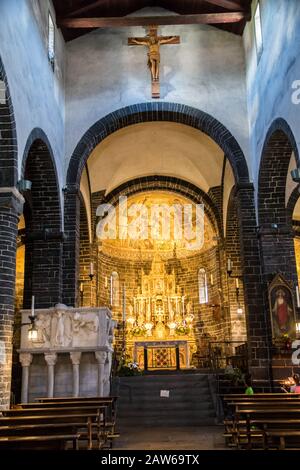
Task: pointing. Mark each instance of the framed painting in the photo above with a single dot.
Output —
(282, 309)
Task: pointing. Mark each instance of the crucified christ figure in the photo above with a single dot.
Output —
(153, 42)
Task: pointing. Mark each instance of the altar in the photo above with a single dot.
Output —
(159, 322)
(151, 355)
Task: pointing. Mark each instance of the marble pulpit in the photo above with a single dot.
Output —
(72, 354)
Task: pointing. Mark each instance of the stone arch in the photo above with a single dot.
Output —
(276, 154)
(42, 212)
(8, 135)
(11, 203)
(168, 183)
(146, 112)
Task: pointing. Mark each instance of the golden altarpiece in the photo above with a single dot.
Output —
(159, 321)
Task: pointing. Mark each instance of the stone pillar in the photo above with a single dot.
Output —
(75, 358)
(101, 358)
(25, 359)
(71, 246)
(11, 206)
(256, 315)
(51, 361)
(278, 252)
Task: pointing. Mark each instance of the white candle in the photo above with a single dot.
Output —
(111, 290)
(81, 287)
(298, 296)
(237, 285)
(211, 279)
(229, 265)
(105, 282)
(92, 268)
(32, 306)
(124, 303)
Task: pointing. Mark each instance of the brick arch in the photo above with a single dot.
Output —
(8, 137)
(42, 212)
(176, 185)
(276, 154)
(11, 204)
(147, 112)
(293, 199)
(275, 221)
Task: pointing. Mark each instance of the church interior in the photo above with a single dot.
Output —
(149, 224)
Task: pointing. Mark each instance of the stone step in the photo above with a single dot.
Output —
(189, 403)
(187, 420)
(170, 407)
(164, 378)
(155, 391)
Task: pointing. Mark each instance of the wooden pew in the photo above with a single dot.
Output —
(91, 418)
(264, 414)
(110, 402)
(107, 433)
(270, 421)
(41, 442)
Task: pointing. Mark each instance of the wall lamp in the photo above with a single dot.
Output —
(32, 330)
(24, 185)
(295, 174)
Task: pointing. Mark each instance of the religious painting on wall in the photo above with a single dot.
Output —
(282, 309)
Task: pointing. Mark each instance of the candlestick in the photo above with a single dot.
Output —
(124, 303)
(91, 269)
(32, 306)
(298, 296)
(111, 290)
(229, 265)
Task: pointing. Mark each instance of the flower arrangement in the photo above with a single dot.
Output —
(182, 330)
(283, 342)
(138, 331)
(127, 368)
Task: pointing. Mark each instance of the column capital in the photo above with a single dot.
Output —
(72, 189)
(101, 356)
(75, 357)
(25, 359)
(50, 358)
(11, 199)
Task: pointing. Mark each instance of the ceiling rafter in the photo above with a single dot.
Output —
(126, 21)
(228, 4)
(87, 8)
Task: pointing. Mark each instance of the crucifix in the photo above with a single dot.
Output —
(153, 41)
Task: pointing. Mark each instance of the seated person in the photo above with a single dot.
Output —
(296, 387)
(248, 384)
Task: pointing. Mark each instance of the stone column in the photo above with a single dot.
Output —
(256, 315)
(71, 246)
(101, 358)
(75, 358)
(51, 361)
(25, 359)
(11, 205)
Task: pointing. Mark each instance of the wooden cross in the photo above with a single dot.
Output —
(153, 42)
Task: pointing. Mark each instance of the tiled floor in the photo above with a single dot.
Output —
(187, 438)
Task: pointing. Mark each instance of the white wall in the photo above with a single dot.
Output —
(269, 84)
(37, 93)
(206, 71)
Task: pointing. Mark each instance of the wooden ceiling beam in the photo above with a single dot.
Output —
(127, 21)
(228, 4)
